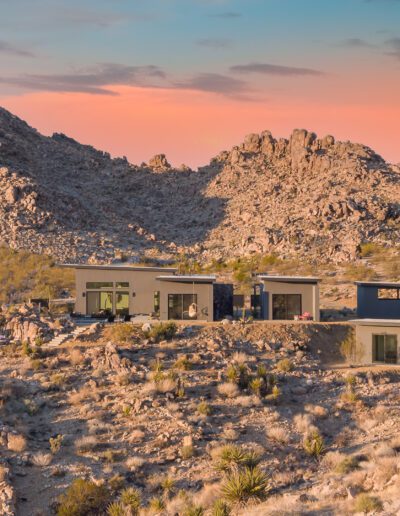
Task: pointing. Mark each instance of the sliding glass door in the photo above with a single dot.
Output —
(99, 302)
(384, 349)
(178, 306)
(286, 306)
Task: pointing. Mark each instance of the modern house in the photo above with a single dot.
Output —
(123, 290)
(377, 300)
(377, 341)
(289, 297)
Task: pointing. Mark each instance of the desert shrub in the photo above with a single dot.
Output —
(131, 499)
(285, 365)
(16, 443)
(168, 486)
(227, 389)
(243, 485)
(162, 331)
(187, 451)
(365, 503)
(278, 434)
(314, 444)
(86, 443)
(183, 364)
(76, 357)
(121, 333)
(359, 272)
(238, 373)
(193, 510)
(83, 497)
(116, 509)
(55, 443)
(350, 349)
(347, 465)
(41, 459)
(220, 508)
(302, 423)
(116, 483)
(232, 455)
(156, 505)
(349, 396)
(204, 408)
(24, 275)
(370, 249)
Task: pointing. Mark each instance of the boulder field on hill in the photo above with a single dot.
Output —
(303, 197)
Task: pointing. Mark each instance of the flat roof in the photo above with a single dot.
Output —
(187, 278)
(376, 322)
(389, 284)
(116, 267)
(289, 279)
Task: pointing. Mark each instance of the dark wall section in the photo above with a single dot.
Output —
(223, 301)
(370, 307)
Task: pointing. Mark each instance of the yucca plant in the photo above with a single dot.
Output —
(132, 499)
(243, 485)
(221, 508)
(314, 444)
(167, 484)
(193, 510)
(116, 509)
(204, 408)
(156, 504)
(232, 455)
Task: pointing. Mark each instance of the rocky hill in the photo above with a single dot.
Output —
(303, 197)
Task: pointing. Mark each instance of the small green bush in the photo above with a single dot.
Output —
(120, 333)
(162, 331)
(243, 485)
(82, 498)
(221, 508)
(347, 465)
(314, 444)
(204, 408)
(366, 503)
(285, 365)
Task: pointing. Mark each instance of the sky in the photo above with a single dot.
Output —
(190, 78)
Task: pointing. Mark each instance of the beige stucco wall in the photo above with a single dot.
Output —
(142, 285)
(364, 340)
(205, 297)
(309, 295)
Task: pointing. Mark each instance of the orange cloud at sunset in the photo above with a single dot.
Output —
(191, 127)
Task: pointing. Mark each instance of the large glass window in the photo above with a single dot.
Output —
(178, 305)
(92, 285)
(286, 306)
(122, 303)
(384, 348)
(99, 302)
(388, 293)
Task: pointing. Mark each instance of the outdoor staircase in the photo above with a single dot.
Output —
(63, 337)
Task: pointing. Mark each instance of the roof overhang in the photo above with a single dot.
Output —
(378, 284)
(305, 280)
(377, 322)
(130, 268)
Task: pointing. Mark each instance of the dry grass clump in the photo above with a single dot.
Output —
(278, 434)
(76, 398)
(42, 459)
(16, 443)
(137, 436)
(120, 333)
(383, 450)
(285, 365)
(303, 423)
(228, 390)
(134, 463)
(230, 434)
(76, 357)
(187, 449)
(239, 358)
(332, 459)
(365, 504)
(166, 385)
(317, 411)
(386, 468)
(248, 401)
(123, 379)
(86, 443)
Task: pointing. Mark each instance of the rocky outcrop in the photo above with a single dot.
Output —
(307, 197)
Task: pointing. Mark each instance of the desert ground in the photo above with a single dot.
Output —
(260, 419)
